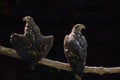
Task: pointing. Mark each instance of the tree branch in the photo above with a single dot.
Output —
(88, 69)
(9, 52)
(60, 65)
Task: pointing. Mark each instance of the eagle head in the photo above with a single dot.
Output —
(28, 19)
(78, 27)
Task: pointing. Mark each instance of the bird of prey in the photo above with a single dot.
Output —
(32, 45)
(75, 49)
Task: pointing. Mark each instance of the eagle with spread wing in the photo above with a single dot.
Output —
(32, 45)
(75, 49)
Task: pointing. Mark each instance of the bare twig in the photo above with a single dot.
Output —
(60, 65)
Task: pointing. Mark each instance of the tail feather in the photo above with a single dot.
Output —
(77, 77)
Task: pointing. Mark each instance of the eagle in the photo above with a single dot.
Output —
(31, 46)
(75, 50)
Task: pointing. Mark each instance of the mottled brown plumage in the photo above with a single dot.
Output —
(32, 45)
(75, 49)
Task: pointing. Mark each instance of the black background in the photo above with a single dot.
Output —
(57, 17)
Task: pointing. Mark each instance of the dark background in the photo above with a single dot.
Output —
(57, 17)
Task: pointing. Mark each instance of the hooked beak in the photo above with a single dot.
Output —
(80, 26)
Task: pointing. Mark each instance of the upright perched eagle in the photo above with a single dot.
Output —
(75, 49)
(32, 45)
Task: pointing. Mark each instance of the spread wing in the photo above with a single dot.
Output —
(44, 45)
